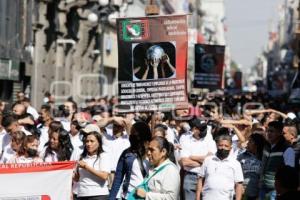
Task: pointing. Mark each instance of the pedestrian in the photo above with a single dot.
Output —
(93, 169)
(163, 182)
(59, 146)
(276, 154)
(195, 148)
(132, 166)
(251, 165)
(28, 152)
(221, 175)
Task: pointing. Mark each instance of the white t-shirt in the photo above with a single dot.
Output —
(8, 154)
(5, 140)
(89, 184)
(76, 141)
(23, 159)
(115, 147)
(220, 177)
(44, 137)
(194, 147)
(31, 110)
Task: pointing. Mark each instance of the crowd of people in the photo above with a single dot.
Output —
(220, 148)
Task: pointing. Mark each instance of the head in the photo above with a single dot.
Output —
(290, 133)
(199, 128)
(55, 128)
(46, 113)
(118, 129)
(20, 96)
(274, 132)
(159, 150)
(17, 139)
(160, 130)
(10, 123)
(19, 109)
(256, 144)
(70, 108)
(30, 146)
(140, 136)
(224, 145)
(286, 179)
(92, 144)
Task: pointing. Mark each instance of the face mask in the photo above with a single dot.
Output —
(32, 152)
(222, 153)
(203, 133)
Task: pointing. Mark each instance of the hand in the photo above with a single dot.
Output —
(141, 193)
(82, 164)
(165, 59)
(177, 146)
(120, 121)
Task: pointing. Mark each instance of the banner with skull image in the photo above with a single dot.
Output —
(152, 63)
(209, 66)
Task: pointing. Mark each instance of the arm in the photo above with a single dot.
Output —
(199, 188)
(187, 162)
(100, 174)
(200, 159)
(120, 172)
(238, 191)
(238, 133)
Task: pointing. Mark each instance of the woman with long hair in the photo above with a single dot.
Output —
(93, 169)
(59, 146)
(163, 182)
(132, 163)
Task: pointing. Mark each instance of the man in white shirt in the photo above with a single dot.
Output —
(195, 148)
(222, 175)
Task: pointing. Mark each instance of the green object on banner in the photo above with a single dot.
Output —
(144, 185)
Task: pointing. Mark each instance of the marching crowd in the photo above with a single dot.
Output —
(204, 152)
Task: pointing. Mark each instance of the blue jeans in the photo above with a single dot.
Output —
(190, 186)
(267, 194)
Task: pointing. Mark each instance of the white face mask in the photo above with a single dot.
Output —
(46, 100)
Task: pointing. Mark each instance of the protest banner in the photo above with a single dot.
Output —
(36, 181)
(209, 66)
(152, 63)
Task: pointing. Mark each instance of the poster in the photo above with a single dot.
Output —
(36, 181)
(209, 66)
(152, 63)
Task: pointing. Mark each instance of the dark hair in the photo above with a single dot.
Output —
(277, 125)
(139, 134)
(26, 140)
(46, 107)
(224, 137)
(99, 150)
(19, 136)
(163, 143)
(287, 177)
(260, 142)
(8, 120)
(65, 149)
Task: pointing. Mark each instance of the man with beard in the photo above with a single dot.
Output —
(221, 175)
(195, 148)
(46, 119)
